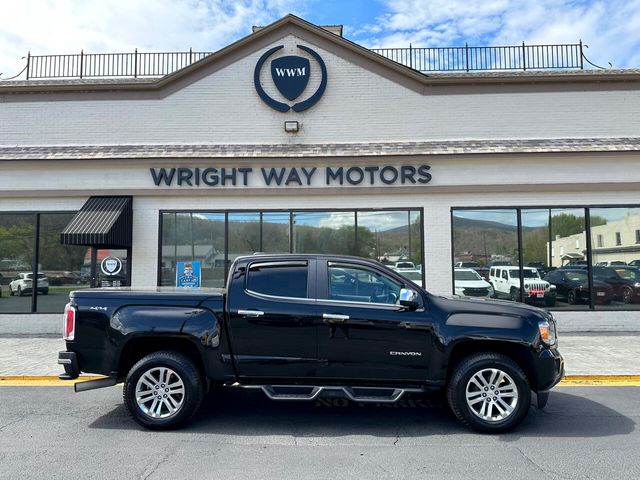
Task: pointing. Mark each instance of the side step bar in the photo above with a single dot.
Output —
(355, 394)
(93, 384)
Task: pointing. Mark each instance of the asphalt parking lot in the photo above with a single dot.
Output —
(53, 302)
(50, 432)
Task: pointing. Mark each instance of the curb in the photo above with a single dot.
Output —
(568, 381)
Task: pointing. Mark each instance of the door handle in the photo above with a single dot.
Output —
(334, 318)
(251, 313)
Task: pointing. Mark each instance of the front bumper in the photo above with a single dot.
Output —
(549, 368)
(69, 361)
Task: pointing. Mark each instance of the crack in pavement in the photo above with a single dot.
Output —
(168, 451)
(546, 473)
(2, 427)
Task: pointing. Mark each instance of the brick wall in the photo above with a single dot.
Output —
(360, 104)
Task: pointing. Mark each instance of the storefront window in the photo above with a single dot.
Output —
(393, 238)
(324, 232)
(486, 241)
(616, 256)
(275, 232)
(582, 261)
(567, 246)
(388, 236)
(194, 241)
(244, 234)
(16, 261)
(60, 267)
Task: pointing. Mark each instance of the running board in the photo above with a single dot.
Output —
(355, 394)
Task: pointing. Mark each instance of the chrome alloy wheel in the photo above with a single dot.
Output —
(160, 392)
(492, 395)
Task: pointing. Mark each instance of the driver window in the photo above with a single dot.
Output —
(360, 284)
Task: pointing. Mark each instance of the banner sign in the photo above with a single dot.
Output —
(292, 176)
(188, 274)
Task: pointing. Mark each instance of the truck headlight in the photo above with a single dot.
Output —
(547, 331)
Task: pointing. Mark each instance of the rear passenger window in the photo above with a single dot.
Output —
(278, 279)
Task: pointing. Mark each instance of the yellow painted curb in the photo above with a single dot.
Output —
(600, 381)
(33, 381)
(568, 381)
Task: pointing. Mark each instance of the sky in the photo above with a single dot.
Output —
(610, 28)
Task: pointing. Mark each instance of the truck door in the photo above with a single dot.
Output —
(365, 333)
(272, 314)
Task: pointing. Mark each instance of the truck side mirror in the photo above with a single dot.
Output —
(409, 299)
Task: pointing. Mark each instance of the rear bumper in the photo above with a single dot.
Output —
(69, 361)
(550, 369)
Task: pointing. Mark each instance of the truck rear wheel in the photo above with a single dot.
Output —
(163, 390)
(489, 392)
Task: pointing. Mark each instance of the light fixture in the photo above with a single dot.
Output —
(291, 126)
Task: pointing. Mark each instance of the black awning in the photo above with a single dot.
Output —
(103, 222)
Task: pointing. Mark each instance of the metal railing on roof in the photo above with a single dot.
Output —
(468, 58)
(437, 59)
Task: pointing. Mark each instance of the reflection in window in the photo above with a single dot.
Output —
(275, 232)
(244, 234)
(616, 265)
(16, 261)
(567, 236)
(489, 240)
(194, 237)
(359, 284)
(324, 232)
(393, 237)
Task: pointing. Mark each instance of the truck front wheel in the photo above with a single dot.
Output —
(163, 390)
(489, 392)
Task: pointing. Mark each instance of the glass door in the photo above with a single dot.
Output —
(110, 268)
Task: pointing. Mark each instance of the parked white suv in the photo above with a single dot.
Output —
(22, 284)
(468, 283)
(505, 281)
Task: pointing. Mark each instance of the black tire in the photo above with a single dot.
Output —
(494, 294)
(627, 295)
(457, 396)
(184, 368)
(514, 295)
(19, 291)
(572, 298)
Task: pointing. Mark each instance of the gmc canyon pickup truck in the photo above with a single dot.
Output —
(303, 326)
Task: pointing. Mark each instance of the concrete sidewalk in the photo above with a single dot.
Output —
(585, 354)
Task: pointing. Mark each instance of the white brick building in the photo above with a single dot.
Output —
(501, 141)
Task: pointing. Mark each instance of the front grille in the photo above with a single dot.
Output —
(476, 292)
(540, 287)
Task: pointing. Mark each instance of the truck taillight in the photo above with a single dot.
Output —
(69, 322)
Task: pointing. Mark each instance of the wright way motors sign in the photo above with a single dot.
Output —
(291, 176)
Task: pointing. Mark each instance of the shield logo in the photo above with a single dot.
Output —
(290, 75)
(111, 266)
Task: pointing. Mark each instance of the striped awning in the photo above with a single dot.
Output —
(103, 222)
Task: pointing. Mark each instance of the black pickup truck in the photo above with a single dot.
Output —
(304, 326)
